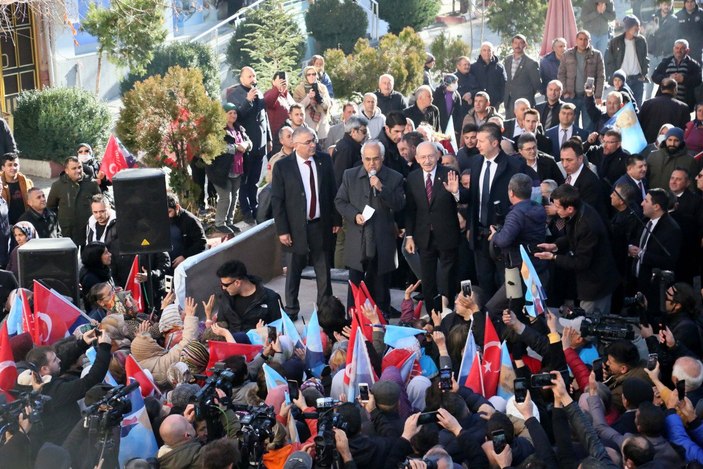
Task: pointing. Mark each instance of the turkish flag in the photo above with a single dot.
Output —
(134, 287)
(133, 370)
(220, 351)
(8, 369)
(114, 160)
(29, 320)
(475, 379)
(56, 317)
(491, 359)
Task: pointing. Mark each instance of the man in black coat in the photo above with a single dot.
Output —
(635, 176)
(684, 70)
(578, 175)
(609, 157)
(251, 112)
(663, 109)
(488, 201)
(543, 164)
(658, 246)
(688, 213)
(43, 219)
(585, 250)
(389, 99)
(423, 110)
(302, 196)
(370, 244)
(549, 109)
(243, 300)
(391, 135)
(347, 153)
(431, 222)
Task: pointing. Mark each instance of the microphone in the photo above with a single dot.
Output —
(372, 173)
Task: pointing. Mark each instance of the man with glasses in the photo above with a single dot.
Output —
(302, 196)
(347, 153)
(243, 300)
(543, 164)
(609, 157)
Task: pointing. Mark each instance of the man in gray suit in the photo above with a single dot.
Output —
(522, 74)
(370, 247)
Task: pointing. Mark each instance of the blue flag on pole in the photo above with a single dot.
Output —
(625, 120)
(136, 436)
(535, 295)
(467, 358)
(314, 356)
(273, 378)
(396, 333)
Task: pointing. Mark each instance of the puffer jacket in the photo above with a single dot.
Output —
(159, 363)
(524, 224)
(593, 67)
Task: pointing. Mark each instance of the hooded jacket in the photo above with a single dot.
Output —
(524, 224)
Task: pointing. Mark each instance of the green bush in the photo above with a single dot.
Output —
(336, 23)
(416, 14)
(183, 54)
(446, 51)
(50, 123)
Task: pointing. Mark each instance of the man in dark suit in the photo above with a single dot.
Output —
(531, 125)
(663, 109)
(565, 129)
(431, 222)
(688, 213)
(369, 243)
(523, 80)
(512, 128)
(658, 246)
(489, 202)
(584, 250)
(347, 153)
(549, 109)
(302, 196)
(543, 164)
(582, 178)
(635, 176)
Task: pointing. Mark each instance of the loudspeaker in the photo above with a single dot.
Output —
(54, 261)
(142, 213)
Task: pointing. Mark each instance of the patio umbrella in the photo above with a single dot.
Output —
(561, 22)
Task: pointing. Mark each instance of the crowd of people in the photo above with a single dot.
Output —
(499, 196)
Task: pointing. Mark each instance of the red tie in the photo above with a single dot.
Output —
(313, 193)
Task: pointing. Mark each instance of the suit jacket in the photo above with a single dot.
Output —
(660, 110)
(668, 232)
(438, 216)
(353, 195)
(544, 110)
(625, 179)
(547, 168)
(290, 205)
(553, 134)
(525, 84)
(689, 215)
(507, 166)
(585, 250)
(591, 190)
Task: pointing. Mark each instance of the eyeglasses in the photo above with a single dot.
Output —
(225, 284)
(306, 142)
(312, 74)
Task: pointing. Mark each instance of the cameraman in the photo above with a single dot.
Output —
(62, 412)
(17, 445)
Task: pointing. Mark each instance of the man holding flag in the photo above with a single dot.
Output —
(61, 413)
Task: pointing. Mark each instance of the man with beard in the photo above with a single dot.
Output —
(390, 136)
(671, 155)
(468, 151)
(522, 74)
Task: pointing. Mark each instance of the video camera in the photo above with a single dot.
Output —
(10, 412)
(327, 420)
(257, 427)
(604, 327)
(107, 413)
(665, 280)
(406, 463)
(207, 401)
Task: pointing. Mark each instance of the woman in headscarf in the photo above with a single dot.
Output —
(91, 166)
(96, 259)
(314, 97)
(22, 231)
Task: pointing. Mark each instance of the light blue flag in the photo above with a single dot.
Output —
(507, 374)
(467, 358)
(360, 369)
(396, 333)
(535, 295)
(273, 378)
(290, 330)
(136, 436)
(14, 319)
(314, 356)
(625, 120)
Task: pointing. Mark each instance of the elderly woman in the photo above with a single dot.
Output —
(318, 62)
(22, 231)
(314, 97)
(153, 357)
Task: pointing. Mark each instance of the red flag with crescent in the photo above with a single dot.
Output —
(135, 287)
(491, 359)
(114, 160)
(8, 369)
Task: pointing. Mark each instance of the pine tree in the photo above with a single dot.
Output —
(511, 17)
(336, 23)
(269, 40)
(416, 14)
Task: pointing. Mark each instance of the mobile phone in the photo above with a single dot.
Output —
(363, 392)
(499, 442)
(652, 361)
(541, 380)
(168, 283)
(86, 328)
(273, 334)
(520, 388)
(445, 379)
(589, 83)
(281, 75)
(598, 369)
(437, 303)
(681, 388)
(466, 287)
(427, 417)
(293, 389)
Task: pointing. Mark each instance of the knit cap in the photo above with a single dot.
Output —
(196, 356)
(170, 319)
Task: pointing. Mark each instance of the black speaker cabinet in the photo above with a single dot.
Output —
(142, 212)
(54, 261)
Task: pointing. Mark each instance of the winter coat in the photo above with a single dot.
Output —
(524, 225)
(615, 54)
(266, 307)
(491, 78)
(661, 164)
(316, 116)
(25, 184)
(376, 122)
(185, 455)
(71, 202)
(393, 102)
(593, 67)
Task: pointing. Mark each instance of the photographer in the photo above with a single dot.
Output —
(315, 98)
(181, 449)
(17, 447)
(369, 453)
(62, 412)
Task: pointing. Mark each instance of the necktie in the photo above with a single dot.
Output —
(644, 239)
(641, 186)
(568, 180)
(560, 224)
(313, 193)
(563, 137)
(428, 187)
(548, 119)
(485, 194)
